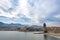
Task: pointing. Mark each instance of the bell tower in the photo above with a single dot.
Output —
(44, 28)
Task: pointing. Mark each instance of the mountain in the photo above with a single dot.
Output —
(16, 25)
(1, 23)
(10, 25)
(36, 26)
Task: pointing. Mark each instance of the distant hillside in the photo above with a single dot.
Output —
(36, 26)
(1, 23)
(10, 25)
(17, 25)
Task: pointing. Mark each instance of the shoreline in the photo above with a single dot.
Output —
(56, 35)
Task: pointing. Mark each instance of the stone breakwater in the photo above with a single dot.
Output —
(56, 35)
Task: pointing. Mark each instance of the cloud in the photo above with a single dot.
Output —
(41, 10)
(31, 11)
(52, 24)
(57, 16)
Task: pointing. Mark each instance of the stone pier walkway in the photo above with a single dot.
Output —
(57, 35)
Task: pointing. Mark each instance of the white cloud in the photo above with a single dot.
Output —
(40, 10)
(52, 24)
(57, 16)
(5, 4)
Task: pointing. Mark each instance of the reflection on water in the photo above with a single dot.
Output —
(45, 37)
(15, 35)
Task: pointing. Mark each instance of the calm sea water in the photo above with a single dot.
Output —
(15, 35)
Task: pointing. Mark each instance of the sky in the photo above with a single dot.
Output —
(31, 12)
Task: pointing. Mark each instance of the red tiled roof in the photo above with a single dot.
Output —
(55, 27)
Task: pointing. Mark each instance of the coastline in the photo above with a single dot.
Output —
(56, 35)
